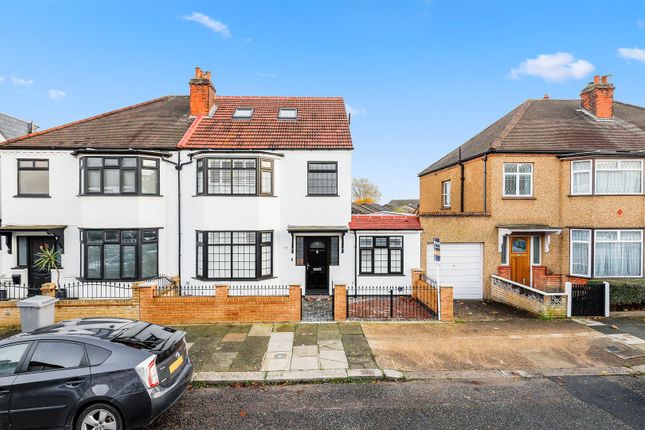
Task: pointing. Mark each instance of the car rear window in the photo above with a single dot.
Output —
(144, 335)
(97, 355)
(53, 355)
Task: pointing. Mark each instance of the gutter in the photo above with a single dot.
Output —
(461, 183)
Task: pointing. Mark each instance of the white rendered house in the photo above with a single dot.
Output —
(218, 189)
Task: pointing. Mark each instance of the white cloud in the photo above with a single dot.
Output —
(208, 22)
(21, 81)
(640, 23)
(57, 94)
(355, 111)
(266, 75)
(632, 54)
(553, 67)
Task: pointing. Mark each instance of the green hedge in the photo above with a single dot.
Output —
(624, 292)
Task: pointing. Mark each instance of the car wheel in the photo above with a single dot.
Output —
(100, 416)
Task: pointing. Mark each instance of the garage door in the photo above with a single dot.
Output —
(461, 267)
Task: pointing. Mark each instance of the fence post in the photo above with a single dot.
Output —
(340, 302)
(48, 289)
(391, 303)
(607, 298)
(568, 289)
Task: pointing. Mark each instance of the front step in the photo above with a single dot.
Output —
(317, 308)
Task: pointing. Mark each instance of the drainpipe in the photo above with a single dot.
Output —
(355, 259)
(178, 168)
(461, 183)
(485, 173)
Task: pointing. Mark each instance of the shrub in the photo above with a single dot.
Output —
(624, 292)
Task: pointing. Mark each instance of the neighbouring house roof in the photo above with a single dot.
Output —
(554, 126)
(321, 124)
(11, 127)
(156, 124)
(413, 203)
(384, 222)
(368, 208)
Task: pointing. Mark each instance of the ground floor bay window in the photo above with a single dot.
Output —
(381, 255)
(126, 255)
(234, 255)
(607, 253)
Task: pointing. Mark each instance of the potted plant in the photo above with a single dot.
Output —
(47, 259)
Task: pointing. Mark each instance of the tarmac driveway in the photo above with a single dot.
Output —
(514, 344)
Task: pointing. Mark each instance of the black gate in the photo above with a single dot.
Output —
(588, 300)
(384, 302)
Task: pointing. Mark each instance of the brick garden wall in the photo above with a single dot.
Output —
(546, 306)
(9, 314)
(427, 295)
(219, 308)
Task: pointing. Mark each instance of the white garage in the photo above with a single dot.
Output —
(462, 267)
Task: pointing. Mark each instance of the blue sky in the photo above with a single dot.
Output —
(420, 77)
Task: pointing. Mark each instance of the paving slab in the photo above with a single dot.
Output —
(261, 330)
(361, 362)
(329, 335)
(240, 328)
(251, 354)
(284, 327)
(282, 336)
(330, 359)
(305, 351)
(234, 337)
(221, 361)
(276, 361)
(279, 346)
(304, 363)
(335, 345)
(350, 328)
(228, 347)
(305, 339)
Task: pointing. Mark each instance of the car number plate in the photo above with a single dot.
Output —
(176, 364)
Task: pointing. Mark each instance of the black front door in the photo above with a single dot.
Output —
(38, 277)
(317, 263)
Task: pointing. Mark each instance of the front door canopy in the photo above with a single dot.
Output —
(507, 230)
(57, 231)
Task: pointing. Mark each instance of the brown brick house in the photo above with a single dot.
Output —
(551, 191)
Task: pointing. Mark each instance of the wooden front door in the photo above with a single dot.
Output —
(520, 260)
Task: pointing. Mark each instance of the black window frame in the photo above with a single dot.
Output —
(259, 244)
(138, 175)
(310, 171)
(202, 172)
(333, 255)
(374, 246)
(85, 244)
(33, 168)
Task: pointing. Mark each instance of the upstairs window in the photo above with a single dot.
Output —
(243, 113)
(120, 175)
(234, 176)
(322, 178)
(33, 177)
(581, 177)
(445, 194)
(619, 177)
(288, 113)
(518, 179)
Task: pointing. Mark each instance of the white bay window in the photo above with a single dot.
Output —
(616, 253)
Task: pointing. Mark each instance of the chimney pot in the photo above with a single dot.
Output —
(198, 72)
(596, 79)
(546, 97)
(604, 79)
(208, 75)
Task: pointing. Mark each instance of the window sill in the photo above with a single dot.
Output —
(399, 275)
(119, 195)
(446, 208)
(264, 278)
(518, 198)
(32, 196)
(603, 195)
(233, 195)
(322, 195)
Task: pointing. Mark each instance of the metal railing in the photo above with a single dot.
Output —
(94, 290)
(11, 291)
(258, 290)
(205, 290)
(390, 302)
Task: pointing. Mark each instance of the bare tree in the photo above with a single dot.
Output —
(364, 191)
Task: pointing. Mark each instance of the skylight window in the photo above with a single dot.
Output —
(288, 113)
(243, 113)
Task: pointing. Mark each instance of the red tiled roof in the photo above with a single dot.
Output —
(384, 222)
(322, 124)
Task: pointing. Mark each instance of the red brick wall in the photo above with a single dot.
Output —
(546, 282)
(340, 303)
(219, 308)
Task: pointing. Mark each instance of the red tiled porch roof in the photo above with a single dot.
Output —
(385, 222)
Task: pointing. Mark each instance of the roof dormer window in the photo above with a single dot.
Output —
(288, 113)
(243, 113)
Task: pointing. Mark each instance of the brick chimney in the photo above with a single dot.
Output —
(597, 98)
(202, 93)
